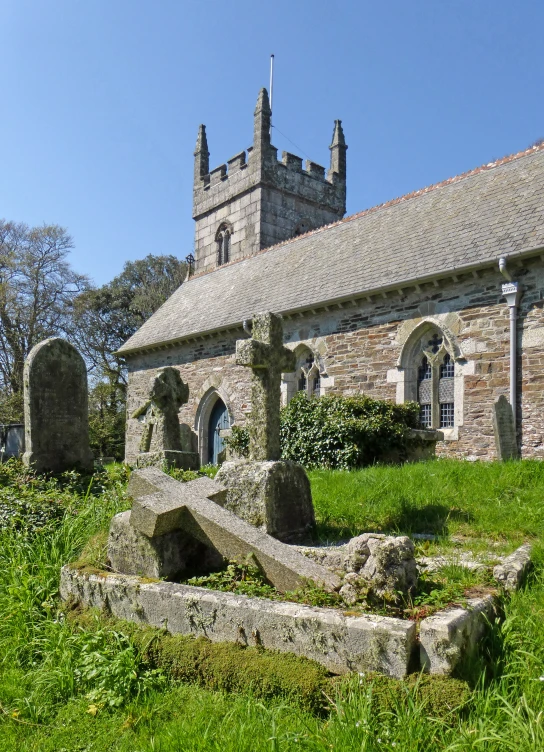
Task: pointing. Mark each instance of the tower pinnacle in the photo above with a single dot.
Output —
(202, 155)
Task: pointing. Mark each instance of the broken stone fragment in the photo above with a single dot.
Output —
(385, 563)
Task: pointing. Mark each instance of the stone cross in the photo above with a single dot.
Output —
(167, 393)
(265, 354)
(162, 505)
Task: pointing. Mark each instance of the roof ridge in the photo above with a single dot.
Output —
(392, 202)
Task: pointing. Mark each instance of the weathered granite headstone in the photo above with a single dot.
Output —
(161, 442)
(505, 430)
(271, 494)
(164, 507)
(56, 408)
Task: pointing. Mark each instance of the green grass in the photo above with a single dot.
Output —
(67, 687)
(503, 502)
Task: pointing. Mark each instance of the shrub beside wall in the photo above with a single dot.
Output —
(340, 432)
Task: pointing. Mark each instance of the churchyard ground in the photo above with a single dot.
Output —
(77, 682)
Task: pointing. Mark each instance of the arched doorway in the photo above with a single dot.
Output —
(219, 419)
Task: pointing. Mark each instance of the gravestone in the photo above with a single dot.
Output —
(161, 442)
(505, 430)
(145, 542)
(56, 408)
(271, 494)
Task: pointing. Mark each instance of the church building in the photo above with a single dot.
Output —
(435, 297)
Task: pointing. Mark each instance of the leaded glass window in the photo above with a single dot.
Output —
(425, 416)
(424, 392)
(446, 415)
(446, 392)
(435, 385)
(446, 369)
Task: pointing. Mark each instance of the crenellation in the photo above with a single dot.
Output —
(291, 161)
(217, 175)
(315, 170)
(238, 162)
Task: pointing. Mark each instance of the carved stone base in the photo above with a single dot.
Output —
(273, 496)
(164, 556)
(169, 458)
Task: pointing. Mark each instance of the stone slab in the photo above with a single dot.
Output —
(338, 642)
(513, 569)
(505, 430)
(56, 408)
(274, 496)
(162, 504)
(452, 635)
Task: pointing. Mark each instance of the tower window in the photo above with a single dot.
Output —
(222, 239)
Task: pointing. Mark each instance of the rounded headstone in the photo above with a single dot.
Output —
(56, 408)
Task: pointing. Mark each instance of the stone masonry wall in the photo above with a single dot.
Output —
(358, 347)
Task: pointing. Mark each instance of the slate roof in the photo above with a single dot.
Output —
(495, 210)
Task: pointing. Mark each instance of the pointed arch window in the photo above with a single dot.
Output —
(222, 239)
(435, 385)
(307, 378)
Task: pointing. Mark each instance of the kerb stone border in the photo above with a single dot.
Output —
(340, 643)
(451, 636)
(513, 570)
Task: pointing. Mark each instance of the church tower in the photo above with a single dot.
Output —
(255, 201)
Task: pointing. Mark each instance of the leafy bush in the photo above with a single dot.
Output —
(339, 432)
(345, 432)
(31, 502)
(110, 670)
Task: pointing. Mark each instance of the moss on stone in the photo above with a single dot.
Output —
(267, 674)
(441, 697)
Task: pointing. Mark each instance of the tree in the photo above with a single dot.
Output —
(37, 289)
(104, 318)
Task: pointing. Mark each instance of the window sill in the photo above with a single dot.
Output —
(450, 434)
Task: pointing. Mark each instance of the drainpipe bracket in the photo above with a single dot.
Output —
(512, 293)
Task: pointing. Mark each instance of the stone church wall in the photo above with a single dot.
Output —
(358, 348)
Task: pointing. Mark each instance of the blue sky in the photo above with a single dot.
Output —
(102, 100)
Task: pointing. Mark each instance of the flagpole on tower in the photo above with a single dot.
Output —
(271, 84)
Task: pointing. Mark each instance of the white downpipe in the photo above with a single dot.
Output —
(512, 292)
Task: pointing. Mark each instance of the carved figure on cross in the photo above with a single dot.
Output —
(267, 357)
(167, 393)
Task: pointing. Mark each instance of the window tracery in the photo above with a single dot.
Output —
(435, 384)
(307, 377)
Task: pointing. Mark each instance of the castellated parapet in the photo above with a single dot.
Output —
(260, 201)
